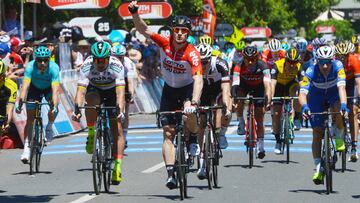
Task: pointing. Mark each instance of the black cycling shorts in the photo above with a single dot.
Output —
(173, 99)
(255, 91)
(36, 94)
(283, 91)
(210, 94)
(107, 97)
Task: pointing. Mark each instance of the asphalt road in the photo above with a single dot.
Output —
(66, 174)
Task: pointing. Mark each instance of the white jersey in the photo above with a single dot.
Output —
(129, 68)
(113, 76)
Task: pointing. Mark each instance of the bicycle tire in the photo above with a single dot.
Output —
(97, 161)
(40, 142)
(184, 167)
(328, 168)
(180, 173)
(287, 137)
(250, 141)
(107, 166)
(33, 151)
(216, 162)
(208, 157)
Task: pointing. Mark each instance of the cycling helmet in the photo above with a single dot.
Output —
(317, 42)
(100, 49)
(240, 45)
(42, 52)
(4, 39)
(275, 45)
(285, 46)
(4, 48)
(118, 50)
(342, 48)
(301, 45)
(250, 52)
(325, 52)
(191, 40)
(205, 51)
(292, 55)
(181, 21)
(15, 42)
(216, 47)
(351, 47)
(206, 39)
(228, 46)
(2, 68)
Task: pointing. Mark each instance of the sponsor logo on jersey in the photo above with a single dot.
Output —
(195, 59)
(173, 66)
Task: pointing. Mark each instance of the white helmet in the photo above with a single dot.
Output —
(205, 51)
(275, 45)
(325, 52)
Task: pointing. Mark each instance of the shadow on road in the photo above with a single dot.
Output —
(2, 191)
(356, 196)
(27, 173)
(26, 198)
(279, 161)
(320, 192)
(338, 170)
(92, 192)
(242, 166)
(150, 197)
(84, 169)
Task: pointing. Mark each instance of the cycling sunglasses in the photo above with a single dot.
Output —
(183, 30)
(41, 60)
(101, 60)
(324, 61)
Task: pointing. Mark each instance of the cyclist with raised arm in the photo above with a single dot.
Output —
(102, 82)
(182, 72)
(119, 52)
(8, 90)
(344, 53)
(324, 84)
(285, 76)
(253, 76)
(41, 80)
(216, 91)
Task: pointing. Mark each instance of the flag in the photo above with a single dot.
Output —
(209, 17)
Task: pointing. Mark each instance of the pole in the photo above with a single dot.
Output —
(22, 20)
(34, 19)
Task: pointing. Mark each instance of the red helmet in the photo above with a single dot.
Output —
(15, 42)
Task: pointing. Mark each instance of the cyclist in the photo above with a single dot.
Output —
(284, 82)
(102, 82)
(344, 53)
(216, 86)
(41, 80)
(323, 83)
(253, 76)
(182, 72)
(273, 53)
(8, 90)
(119, 52)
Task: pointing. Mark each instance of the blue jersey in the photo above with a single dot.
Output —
(42, 80)
(313, 80)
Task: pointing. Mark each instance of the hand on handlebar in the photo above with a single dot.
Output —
(305, 111)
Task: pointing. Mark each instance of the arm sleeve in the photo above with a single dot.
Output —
(236, 76)
(120, 77)
(341, 77)
(266, 71)
(223, 69)
(306, 80)
(356, 65)
(160, 40)
(28, 71)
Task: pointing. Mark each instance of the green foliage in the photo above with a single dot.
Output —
(344, 29)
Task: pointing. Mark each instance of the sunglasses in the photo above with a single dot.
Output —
(183, 30)
(42, 60)
(324, 61)
(101, 60)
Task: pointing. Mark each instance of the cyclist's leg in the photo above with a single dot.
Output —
(259, 117)
(92, 97)
(34, 94)
(51, 116)
(293, 92)
(243, 91)
(339, 127)
(353, 118)
(276, 116)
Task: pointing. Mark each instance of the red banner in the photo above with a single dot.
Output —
(77, 4)
(147, 10)
(325, 29)
(209, 17)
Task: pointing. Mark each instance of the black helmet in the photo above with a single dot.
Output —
(250, 52)
(181, 21)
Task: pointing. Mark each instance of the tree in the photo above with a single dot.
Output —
(343, 28)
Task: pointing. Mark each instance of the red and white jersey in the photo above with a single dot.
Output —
(177, 66)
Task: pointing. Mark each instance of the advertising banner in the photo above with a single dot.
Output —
(77, 4)
(147, 10)
(209, 18)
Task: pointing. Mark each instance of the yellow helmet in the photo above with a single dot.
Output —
(206, 39)
(344, 48)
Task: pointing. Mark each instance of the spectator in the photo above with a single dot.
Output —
(11, 21)
(84, 48)
(150, 57)
(135, 56)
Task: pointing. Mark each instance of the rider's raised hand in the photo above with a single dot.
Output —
(133, 7)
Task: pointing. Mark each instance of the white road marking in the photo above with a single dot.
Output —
(154, 168)
(84, 198)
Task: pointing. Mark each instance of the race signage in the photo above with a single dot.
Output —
(33, 1)
(325, 29)
(147, 10)
(86, 24)
(77, 4)
(223, 29)
(256, 32)
(103, 26)
(165, 30)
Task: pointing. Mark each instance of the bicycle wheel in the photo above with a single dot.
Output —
(108, 161)
(179, 171)
(97, 159)
(287, 137)
(184, 166)
(208, 157)
(216, 161)
(33, 148)
(40, 147)
(328, 160)
(250, 141)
